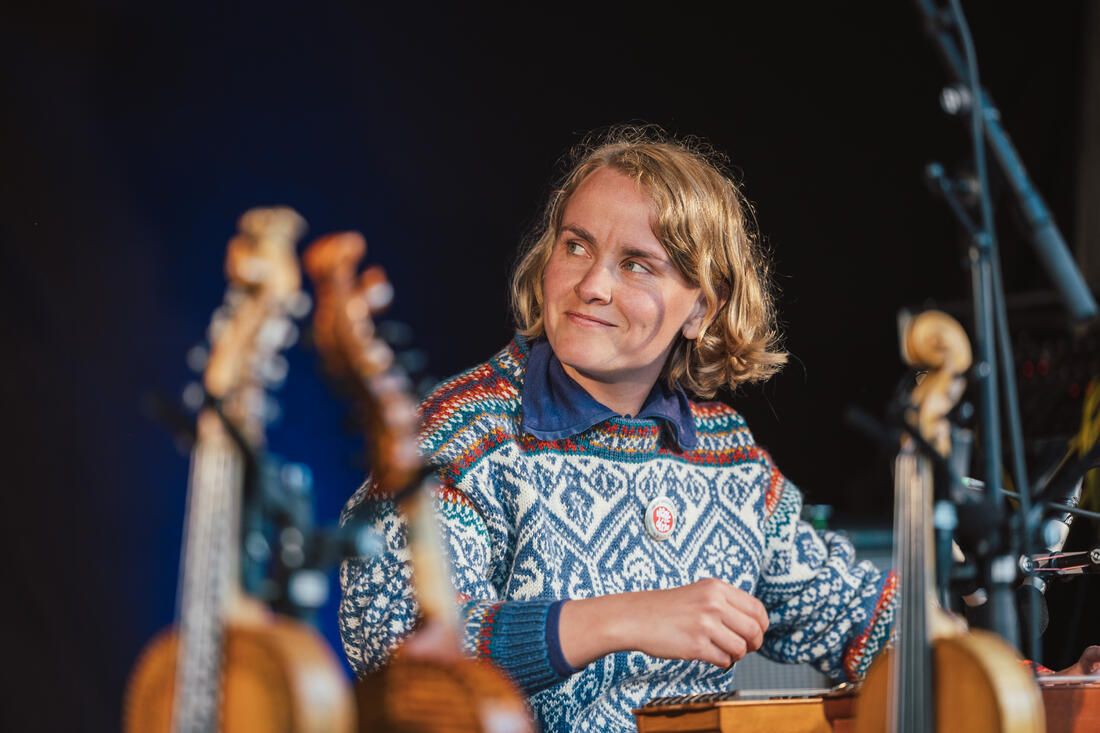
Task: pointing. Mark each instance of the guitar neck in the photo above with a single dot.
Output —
(210, 574)
(430, 564)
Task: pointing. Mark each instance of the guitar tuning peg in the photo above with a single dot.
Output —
(251, 270)
(277, 333)
(234, 296)
(291, 336)
(393, 382)
(357, 310)
(197, 356)
(221, 316)
(375, 288)
(379, 355)
(193, 396)
(379, 295)
(272, 371)
(300, 305)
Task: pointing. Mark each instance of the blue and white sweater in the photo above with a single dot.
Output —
(531, 522)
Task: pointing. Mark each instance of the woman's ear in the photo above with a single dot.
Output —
(694, 326)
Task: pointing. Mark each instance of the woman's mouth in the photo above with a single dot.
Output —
(589, 321)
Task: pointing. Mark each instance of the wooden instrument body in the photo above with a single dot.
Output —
(788, 715)
(459, 695)
(979, 685)
(1072, 707)
(277, 676)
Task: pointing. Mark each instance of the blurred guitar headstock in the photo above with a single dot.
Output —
(255, 321)
(353, 353)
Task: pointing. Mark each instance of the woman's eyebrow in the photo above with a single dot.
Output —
(647, 254)
(580, 232)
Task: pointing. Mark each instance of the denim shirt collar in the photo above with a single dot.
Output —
(555, 406)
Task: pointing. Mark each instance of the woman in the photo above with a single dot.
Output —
(614, 538)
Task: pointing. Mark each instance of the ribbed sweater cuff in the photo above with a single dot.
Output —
(514, 636)
(553, 641)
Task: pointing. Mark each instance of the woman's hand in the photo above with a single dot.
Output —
(709, 620)
(1089, 663)
(434, 641)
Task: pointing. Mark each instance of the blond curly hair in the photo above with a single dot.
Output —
(708, 229)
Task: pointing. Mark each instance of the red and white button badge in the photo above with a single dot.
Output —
(660, 518)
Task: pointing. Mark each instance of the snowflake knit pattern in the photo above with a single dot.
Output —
(531, 522)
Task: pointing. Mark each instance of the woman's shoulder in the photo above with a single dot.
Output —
(488, 393)
(716, 419)
(722, 431)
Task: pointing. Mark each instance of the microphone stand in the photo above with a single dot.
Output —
(1045, 236)
(286, 555)
(990, 314)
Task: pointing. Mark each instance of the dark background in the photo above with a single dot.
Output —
(132, 136)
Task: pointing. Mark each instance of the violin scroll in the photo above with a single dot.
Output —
(935, 341)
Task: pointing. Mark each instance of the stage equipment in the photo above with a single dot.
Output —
(964, 96)
(1004, 541)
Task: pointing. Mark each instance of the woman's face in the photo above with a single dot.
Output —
(613, 302)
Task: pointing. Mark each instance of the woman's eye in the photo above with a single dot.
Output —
(634, 266)
(574, 248)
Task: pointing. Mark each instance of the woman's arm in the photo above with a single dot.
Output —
(709, 620)
(378, 609)
(825, 608)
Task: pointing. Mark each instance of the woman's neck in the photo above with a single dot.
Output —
(624, 396)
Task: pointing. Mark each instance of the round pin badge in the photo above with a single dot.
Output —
(660, 518)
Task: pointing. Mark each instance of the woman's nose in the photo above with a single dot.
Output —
(595, 285)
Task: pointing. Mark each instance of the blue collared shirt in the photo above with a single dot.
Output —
(555, 406)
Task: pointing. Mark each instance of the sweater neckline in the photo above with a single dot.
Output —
(556, 407)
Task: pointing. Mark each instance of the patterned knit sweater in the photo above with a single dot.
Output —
(530, 522)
